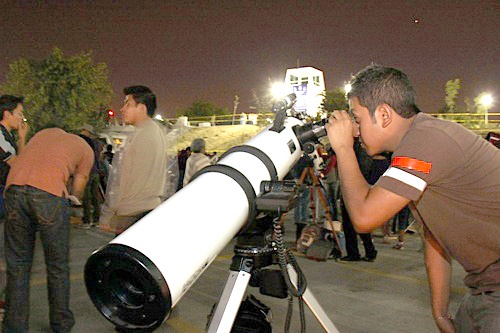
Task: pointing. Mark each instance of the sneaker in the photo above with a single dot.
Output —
(369, 259)
(399, 246)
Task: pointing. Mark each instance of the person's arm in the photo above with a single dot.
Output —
(22, 133)
(368, 207)
(79, 184)
(438, 266)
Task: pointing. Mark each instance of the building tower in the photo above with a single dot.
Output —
(308, 83)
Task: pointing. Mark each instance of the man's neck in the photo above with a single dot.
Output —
(142, 121)
(402, 129)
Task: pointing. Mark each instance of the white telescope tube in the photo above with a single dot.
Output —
(140, 275)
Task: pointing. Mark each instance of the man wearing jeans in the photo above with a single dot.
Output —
(11, 120)
(36, 200)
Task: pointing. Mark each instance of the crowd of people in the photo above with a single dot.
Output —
(43, 179)
(386, 158)
(372, 169)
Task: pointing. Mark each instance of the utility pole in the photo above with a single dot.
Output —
(235, 106)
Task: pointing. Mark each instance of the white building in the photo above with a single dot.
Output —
(308, 83)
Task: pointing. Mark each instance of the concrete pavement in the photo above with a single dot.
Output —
(388, 295)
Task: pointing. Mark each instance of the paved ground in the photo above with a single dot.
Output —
(388, 295)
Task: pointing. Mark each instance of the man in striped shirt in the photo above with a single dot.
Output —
(12, 119)
(449, 176)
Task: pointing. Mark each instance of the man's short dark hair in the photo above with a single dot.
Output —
(143, 95)
(9, 103)
(375, 85)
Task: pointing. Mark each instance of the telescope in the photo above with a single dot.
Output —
(137, 278)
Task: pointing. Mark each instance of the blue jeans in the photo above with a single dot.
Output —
(30, 210)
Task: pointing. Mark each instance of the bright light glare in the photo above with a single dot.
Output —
(159, 117)
(487, 100)
(278, 90)
(347, 88)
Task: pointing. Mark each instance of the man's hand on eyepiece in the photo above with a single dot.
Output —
(340, 130)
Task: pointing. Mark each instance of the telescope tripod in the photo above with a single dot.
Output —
(246, 262)
(316, 194)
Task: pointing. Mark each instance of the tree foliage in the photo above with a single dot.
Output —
(335, 100)
(202, 109)
(262, 103)
(451, 88)
(61, 91)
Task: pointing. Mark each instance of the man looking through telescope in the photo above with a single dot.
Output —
(448, 175)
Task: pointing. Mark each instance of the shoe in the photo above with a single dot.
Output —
(349, 258)
(369, 259)
(399, 246)
(85, 226)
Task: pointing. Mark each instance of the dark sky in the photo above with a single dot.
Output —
(213, 50)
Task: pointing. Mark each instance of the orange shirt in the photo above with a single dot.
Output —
(49, 159)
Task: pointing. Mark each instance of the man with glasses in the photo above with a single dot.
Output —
(12, 119)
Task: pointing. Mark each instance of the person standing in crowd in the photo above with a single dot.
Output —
(449, 176)
(36, 200)
(402, 218)
(371, 170)
(196, 161)
(137, 180)
(91, 202)
(301, 210)
(11, 108)
(12, 119)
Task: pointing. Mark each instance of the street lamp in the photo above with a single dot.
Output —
(347, 88)
(486, 101)
(278, 90)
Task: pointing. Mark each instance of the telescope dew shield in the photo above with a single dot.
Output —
(137, 278)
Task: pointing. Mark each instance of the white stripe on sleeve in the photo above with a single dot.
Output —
(406, 178)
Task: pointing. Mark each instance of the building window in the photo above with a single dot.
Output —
(304, 80)
(294, 79)
(316, 80)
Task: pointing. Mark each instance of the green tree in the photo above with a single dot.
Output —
(335, 100)
(202, 109)
(451, 89)
(61, 91)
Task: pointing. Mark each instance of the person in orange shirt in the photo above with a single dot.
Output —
(36, 201)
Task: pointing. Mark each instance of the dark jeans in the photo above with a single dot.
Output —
(30, 210)
(91, 204)
(351, 239)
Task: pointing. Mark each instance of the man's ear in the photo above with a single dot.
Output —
(143, 108)
(385, 114)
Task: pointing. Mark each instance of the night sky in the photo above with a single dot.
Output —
(213, 50)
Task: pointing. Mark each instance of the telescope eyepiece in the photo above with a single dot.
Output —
(284, 103)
